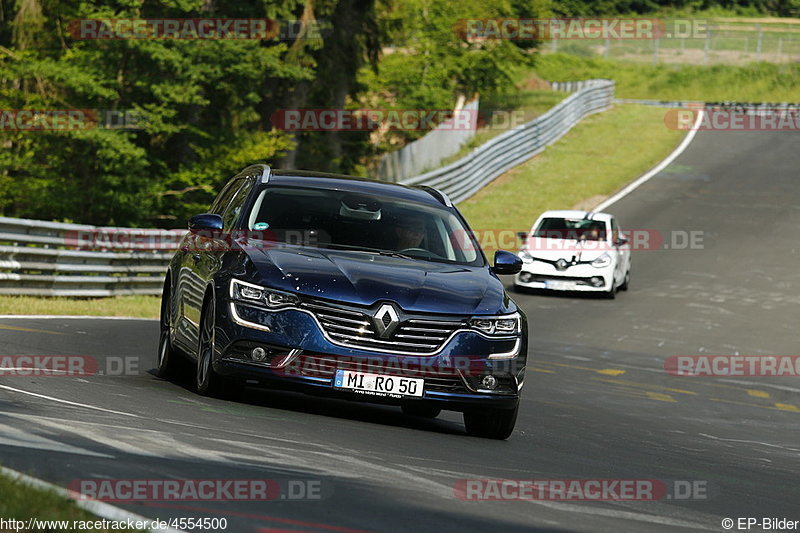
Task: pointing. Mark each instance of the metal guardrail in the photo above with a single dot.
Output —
(429, 151)
(55, 259)
(463, 178)
(39, 258)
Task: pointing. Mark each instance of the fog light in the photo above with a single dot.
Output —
(258, 354)
(525, 277)
(489, 382)
(597, 281)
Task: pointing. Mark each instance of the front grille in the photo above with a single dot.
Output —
(549, 277)
(325, 366)
(355, 329)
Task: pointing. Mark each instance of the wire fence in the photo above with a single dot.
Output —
(719, 41)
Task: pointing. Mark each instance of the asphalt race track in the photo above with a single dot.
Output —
(598, 403)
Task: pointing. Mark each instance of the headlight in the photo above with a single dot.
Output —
(501, 326)
(258, 295)
(526, 257)
(602, 261)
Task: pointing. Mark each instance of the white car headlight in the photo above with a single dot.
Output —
(602, 261)
(500, 326)
(526, 257)
(258, 295)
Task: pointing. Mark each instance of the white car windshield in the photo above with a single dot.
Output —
(567, 228)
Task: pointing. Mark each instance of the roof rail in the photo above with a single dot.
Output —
(436, 193)
(266, 173)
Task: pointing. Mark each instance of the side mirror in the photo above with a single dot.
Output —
(506, 263)
(621, 242)
(205, 222)
(523, 236)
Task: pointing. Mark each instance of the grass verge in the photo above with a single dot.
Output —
(22, 502)
(596, 158)
(756, 82)
(132, 306)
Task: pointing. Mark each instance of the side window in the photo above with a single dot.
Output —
(224, 198)
(614, 230)
(236, 203)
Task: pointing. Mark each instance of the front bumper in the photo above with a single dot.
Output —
(586, 278)
(300, 357)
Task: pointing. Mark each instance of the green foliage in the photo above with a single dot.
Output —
(204, 106)
(430, 62)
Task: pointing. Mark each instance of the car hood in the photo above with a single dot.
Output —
(555, 249)
(365, 278)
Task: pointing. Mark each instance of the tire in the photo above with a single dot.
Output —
(492, 424)
(207, 381)
(167, 356)
(626, 281)
(422, 411)
(612, 292)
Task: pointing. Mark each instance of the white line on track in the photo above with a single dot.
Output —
(658, 168)
(73, 317)
(67, 402)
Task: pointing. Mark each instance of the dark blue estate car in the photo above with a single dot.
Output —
(342, 286)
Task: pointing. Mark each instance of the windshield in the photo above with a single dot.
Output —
(567, 228)
(364, 222)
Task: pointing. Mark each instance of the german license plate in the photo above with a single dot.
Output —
(377, 384)
(558, 285)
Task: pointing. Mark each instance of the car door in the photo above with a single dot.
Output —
(201, 257)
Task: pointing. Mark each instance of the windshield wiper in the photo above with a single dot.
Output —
(367, 250)
(390, 253)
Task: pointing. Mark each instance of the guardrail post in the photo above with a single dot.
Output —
(759, 42)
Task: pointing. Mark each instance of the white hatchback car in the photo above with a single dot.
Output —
(575, 251)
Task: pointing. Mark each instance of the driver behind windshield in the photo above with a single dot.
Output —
(410, 230)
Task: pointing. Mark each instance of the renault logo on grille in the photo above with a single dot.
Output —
(561, 264)
(385, 320)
